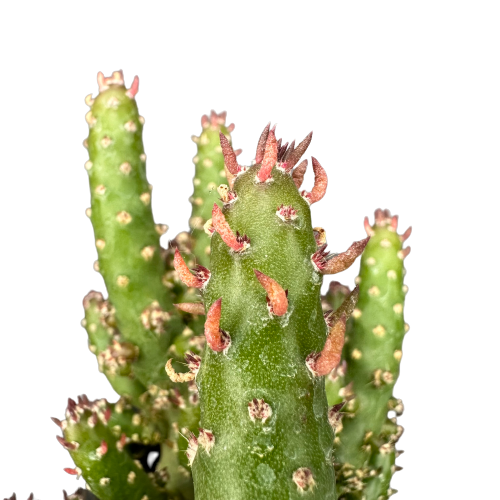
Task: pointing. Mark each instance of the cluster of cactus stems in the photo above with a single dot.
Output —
(287, 394)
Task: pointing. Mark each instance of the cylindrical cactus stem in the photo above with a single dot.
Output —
(365, 448)
(127, 238)
(103, 440)
(210, 182)
(265, 431)
(115, 357)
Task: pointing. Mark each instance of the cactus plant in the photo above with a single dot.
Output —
(251, 417)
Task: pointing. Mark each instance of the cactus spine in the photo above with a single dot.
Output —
(266, 430)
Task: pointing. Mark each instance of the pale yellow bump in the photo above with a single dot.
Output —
(207, 250)
(130, 126)
(148, 252)
(131, 477)
(391, 274)
(104, 481)
(401, 255)
(123, 217)
(370, 261)
(404, 271)
(125, 168)
(145, 497)
(407, 327)
(106, 141)
(398, 354)
(374, 291)
(207, 162)
(161, 228)
(196, 181)
(150, 186)
(356, 354)
(86, 143)
(143, 157)
(92, 328)
(136, 419)
(88, 165)
(100, 189)
(204, 140)
(83, 322)
(96, 266)
(195, 139)
(196, 222)
(88, 212)
(222, 173)
(397, 308)
(92, 348)
(135, 437)
(356, 313)
(405, 289)
(89, 100)
(218, 149)
(211, 186)
(198, 201)
(357, 280)
(385, 243)
(196, 159)
(388, 377)
(142, 121)
(379, 331)
(100, 244)
(145, 198)
(113, 102)
(90, 119)
(122, 281)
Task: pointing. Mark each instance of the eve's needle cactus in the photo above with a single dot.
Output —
(266, 430)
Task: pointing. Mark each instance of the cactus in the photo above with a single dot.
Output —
(250, 417)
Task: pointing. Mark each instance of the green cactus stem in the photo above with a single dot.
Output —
(209, 180)
(365, 450)
(265, 431)
(127, 238)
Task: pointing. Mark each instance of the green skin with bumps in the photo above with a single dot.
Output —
(133, 279)
(255, 460)
(209, 174)
(376, 330)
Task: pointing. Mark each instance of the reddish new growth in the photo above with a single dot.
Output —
(216, 120)
(286, 213)
(198, 279)
(296, 154)
(270, 158)
(261, 146)
(66, 444)
(276, 297)
(206, 440)
(259, 409)
(326, 263)
(320, 183)
(191, 307)
(298, 174)
(217, 339)
(235, 242)
(229, 155)
(323, 363)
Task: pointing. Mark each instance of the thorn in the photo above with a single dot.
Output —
(402, 254)
(278, 301)
(235, 242)
(134, 88)
(205, 122)
(102, 450)
(73, 471)
(323, 363)
(406, 234)
(320, 183)
(298, 174)
(326, 264)
(66, 444)
(178, 377)
(394, 223)
(270, 158)
(57, 422)
(347, 307)
(237, 152)
(230, 127)
(229, 156)
(261, 146)
(319, 236)
(191, 307)
(192, 449)
(196, 280)
(369, 230)
(217, 339)
(297, 153)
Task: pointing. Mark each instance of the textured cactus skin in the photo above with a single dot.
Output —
(302, 444)
(209, 174)
(266, 359)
